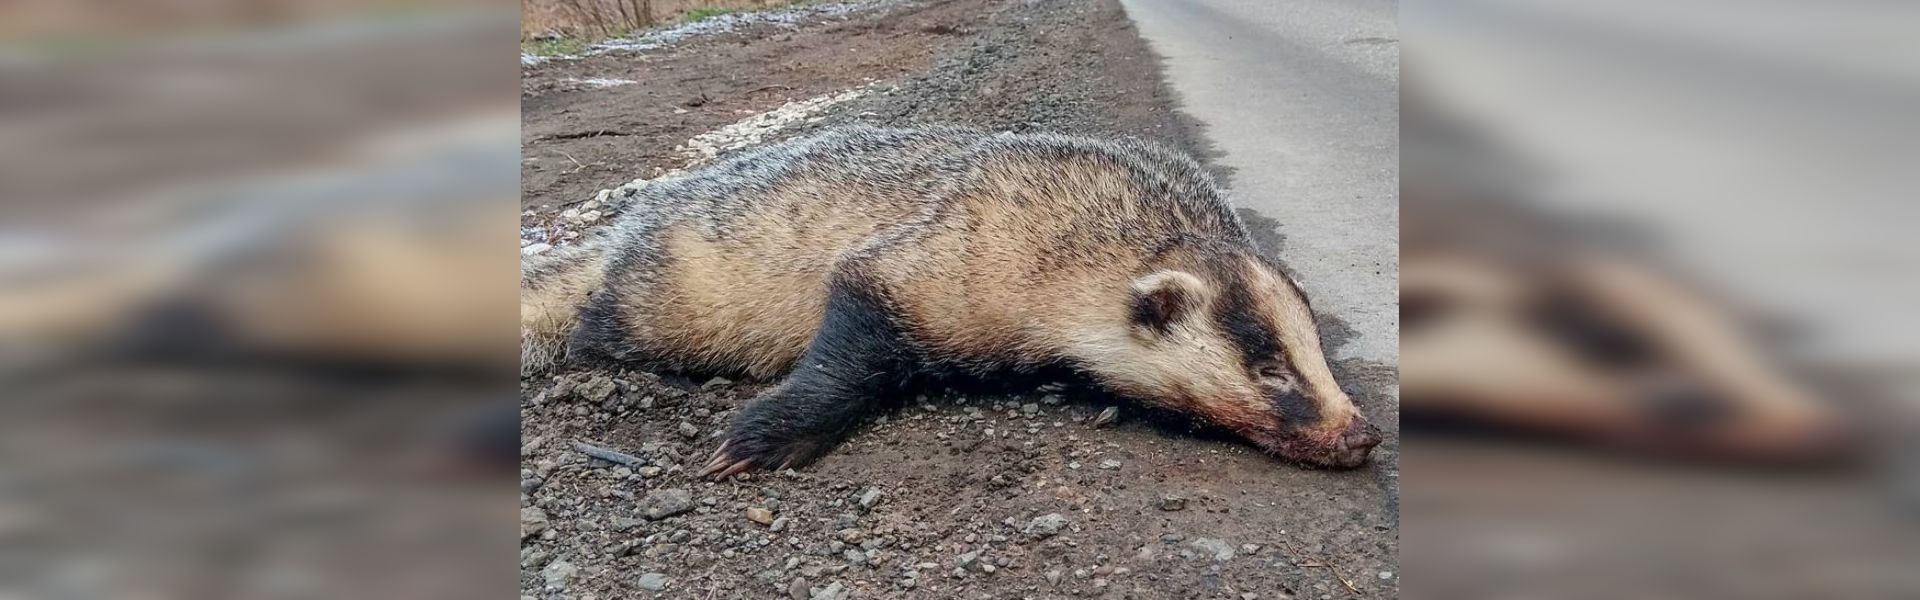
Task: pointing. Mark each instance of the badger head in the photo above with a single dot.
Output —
(1228, 338)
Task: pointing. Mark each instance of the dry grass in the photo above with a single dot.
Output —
(599, 19)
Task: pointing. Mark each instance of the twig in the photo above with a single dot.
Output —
(576, 162)
(611, 456)
(1336, 575)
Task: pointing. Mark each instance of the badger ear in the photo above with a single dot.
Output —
(1164, 298)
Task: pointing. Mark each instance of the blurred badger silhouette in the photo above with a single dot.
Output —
(1515, 320)
(863, 260)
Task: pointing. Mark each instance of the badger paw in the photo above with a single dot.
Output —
(739, 455)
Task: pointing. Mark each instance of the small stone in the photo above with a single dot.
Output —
(869, 498)
(855, 556)
(967, 559)
(661, 504)
(1249, 596)
(532, 521)
(852, 536)
(535, 249)
(1053, 577)
(715, 382)
(1173, 503)
(797, 589)
(649, 471)
(1044, 526)
(1109, 464)
(1219, 549)
(779, 524)
(1249, 549)
(558, 573)
(760, 515)
(833, 591)
(653, 582)
(687, 430)
(1386, 574)
(1107, 417)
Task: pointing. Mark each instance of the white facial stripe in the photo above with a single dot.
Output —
(1300, 340)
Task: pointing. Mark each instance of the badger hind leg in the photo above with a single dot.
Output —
(855, 364)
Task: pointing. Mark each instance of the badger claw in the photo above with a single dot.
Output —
(737, 455)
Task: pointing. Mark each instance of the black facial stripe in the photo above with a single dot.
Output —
(1259, 344)
(1235, 315)
(1295, 408)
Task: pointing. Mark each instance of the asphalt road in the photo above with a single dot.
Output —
(1300, 97)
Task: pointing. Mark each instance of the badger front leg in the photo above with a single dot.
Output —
(854, 365)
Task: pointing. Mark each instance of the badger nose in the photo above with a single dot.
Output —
(1360, 437)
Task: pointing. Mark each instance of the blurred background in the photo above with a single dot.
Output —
(1657, 274)
(256, 308)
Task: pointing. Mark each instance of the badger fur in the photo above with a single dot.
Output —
(862, 260)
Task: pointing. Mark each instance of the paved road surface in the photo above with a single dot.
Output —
(1301, 97)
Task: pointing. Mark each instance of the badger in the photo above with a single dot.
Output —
(862, 261)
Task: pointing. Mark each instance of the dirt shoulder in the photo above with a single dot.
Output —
(949, 497)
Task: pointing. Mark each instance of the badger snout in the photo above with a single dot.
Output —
(1353, 446)
(1348, 448)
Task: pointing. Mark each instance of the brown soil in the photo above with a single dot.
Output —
(964, 486)
(576, 141)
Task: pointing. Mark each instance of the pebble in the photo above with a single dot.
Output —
(653, 582)
(869, 498)
(1107, 417)
(687, 430)
(1053, 577)
(1109, 464)
(557, 573)
(532, 521)
(779, 524)
(1219, 549)
(716, 382)
(1044, 526)
(661, 504)
(760, 515)
(1173, 503)
(855, 556)
(797, 589)
(833, 591)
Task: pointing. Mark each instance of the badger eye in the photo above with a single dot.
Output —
(1275, 375)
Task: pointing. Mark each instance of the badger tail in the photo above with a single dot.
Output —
(553, 288)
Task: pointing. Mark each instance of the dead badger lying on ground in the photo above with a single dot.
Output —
(863, 260)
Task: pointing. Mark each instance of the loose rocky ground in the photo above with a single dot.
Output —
(1031, 496)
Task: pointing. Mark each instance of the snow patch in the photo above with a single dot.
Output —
(790, 18)
(572, 224)
(757, 128)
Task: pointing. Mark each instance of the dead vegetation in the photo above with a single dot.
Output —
(546, 21)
